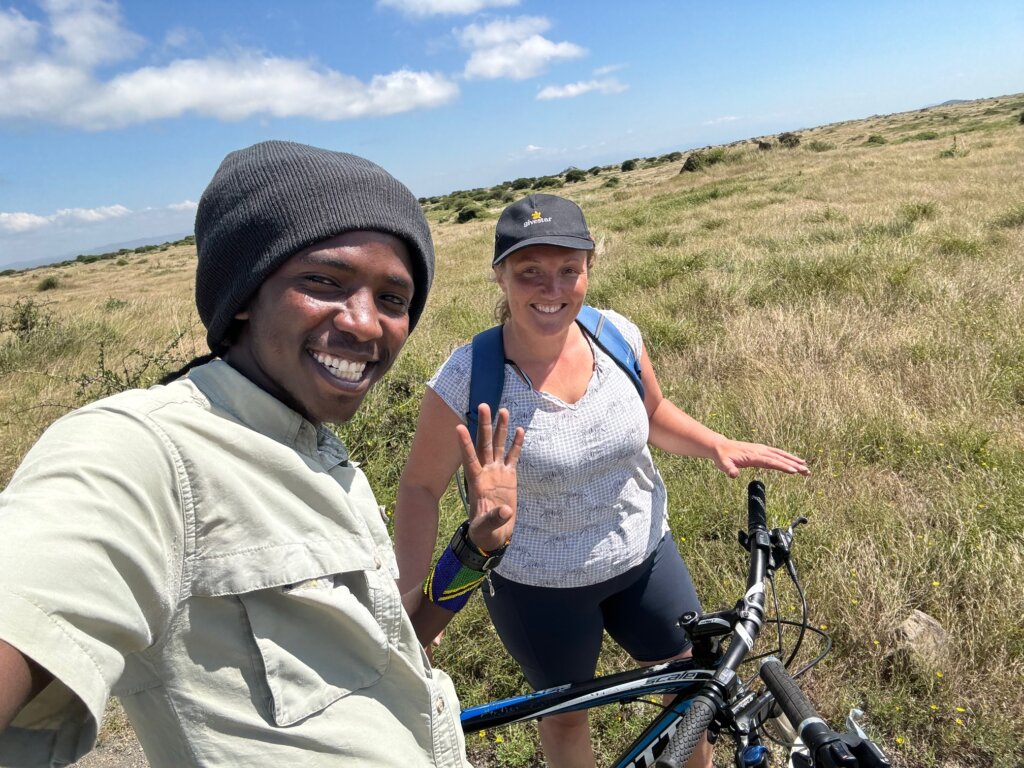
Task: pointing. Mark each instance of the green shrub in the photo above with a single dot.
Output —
(48, 283)
(629, 165)
(575, 175)
(1012, 219)
(876, 139)
(547, 182)
(917, 211)
(25, 317)
(819, 146)
(789, 140)
(524, 182)
(611, 181)
(595, 171)
(923, 136)
(1021, 118)
(468, 213)
(701, 159)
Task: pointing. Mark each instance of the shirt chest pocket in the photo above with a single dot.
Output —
(322, 638)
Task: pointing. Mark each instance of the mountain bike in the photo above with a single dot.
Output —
(709, 695)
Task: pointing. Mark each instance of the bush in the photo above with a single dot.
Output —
(595, 171)
(698, 161)
(875, 138)
(923, 136)
(1021, 118)
(674, 157)
(48, 283)
(523, 183)
(575, 175)
(546, 182)
(469, 212)
(789, 140)
(613, 181)
(25, 317)
(629, 165)
(819, 146)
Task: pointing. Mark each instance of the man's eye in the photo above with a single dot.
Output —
(320, 280)
(398, 302)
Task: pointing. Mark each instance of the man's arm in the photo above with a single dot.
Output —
(491, 478)
(21, 679)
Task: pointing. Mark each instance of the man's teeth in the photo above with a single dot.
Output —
(548, 309)
(340, 367)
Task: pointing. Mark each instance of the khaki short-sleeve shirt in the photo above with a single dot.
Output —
(213, 559)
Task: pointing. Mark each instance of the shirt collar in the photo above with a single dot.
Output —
(231, 392)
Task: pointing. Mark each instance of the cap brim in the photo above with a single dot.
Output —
(562, 241)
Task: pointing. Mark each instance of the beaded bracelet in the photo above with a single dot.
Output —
(458, 571)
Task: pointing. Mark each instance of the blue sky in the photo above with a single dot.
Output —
(114, 115)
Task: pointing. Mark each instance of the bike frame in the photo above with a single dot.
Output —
(681, 677)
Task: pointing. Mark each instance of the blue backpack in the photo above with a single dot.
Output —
(487, 378)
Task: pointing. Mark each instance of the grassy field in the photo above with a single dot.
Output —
(856, 299)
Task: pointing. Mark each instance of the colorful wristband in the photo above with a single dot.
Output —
(450, 584)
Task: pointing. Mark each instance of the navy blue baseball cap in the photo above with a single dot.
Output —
(540, 220)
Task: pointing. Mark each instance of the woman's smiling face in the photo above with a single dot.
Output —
(544, 285)
(328, 324)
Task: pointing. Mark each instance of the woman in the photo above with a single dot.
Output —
(591, 549)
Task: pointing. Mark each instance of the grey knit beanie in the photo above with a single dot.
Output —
(267, 202)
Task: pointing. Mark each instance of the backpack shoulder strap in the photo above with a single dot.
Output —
(614, 344)
(487, 376)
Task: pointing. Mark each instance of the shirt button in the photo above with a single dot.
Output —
(439, 706)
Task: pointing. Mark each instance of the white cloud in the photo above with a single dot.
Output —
(61, 86)
(444, 7)
(720, 120)
(18, 35)
(90, 32)
(608, 69)
(21, 222)
(75, 217)
(534, 148)
(572, 90)
(512, 48)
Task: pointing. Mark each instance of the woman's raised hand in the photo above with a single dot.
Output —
(490, 478)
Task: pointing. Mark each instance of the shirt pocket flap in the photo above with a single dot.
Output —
(248, 570)
(318, 641)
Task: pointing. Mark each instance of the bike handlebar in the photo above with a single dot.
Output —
(825, 745)
(827, 748)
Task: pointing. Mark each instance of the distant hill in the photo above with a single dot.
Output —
(110, 248)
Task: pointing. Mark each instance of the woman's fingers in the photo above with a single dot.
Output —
(484, 437)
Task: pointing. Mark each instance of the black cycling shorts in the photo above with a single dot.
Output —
(555, 633)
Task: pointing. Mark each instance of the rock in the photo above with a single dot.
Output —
(919, 647)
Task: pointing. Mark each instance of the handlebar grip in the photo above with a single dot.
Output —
(825, 745)
(689, 731)
(757, 517)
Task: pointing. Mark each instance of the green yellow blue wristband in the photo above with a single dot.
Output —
(459, 570)
(450, 584)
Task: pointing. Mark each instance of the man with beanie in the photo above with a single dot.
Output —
(204, 549)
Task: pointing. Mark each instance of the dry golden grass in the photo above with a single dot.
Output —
(859, 304)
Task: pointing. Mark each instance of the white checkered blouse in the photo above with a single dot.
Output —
(591, 502)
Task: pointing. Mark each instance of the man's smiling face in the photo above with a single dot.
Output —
(328, 324)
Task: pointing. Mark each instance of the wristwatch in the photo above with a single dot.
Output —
(472, 556)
